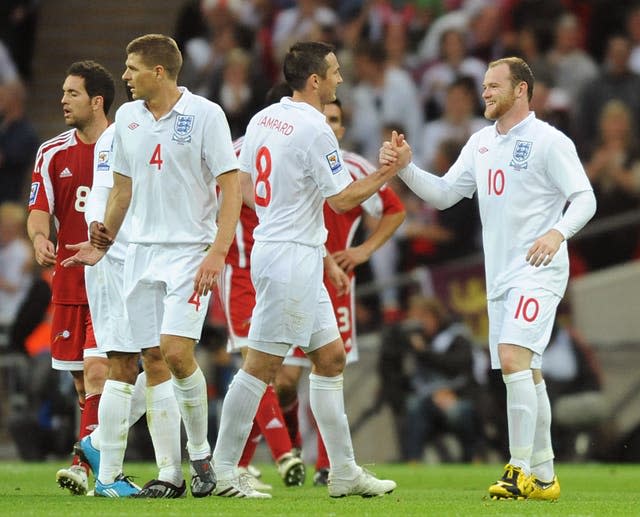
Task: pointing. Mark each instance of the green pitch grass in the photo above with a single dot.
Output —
(442, 490)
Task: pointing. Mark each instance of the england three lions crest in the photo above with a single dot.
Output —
(182, 128)
(521, 153)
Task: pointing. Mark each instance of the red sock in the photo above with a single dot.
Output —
(290, 414)
(250, 446)
(89, 415)
(272, 424)
(322, 462)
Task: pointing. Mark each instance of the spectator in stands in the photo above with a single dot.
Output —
(234, 89)
(16, 267)
(613, 168)
(633, 32)
(458, 121)
(572, 66)
(615, 81)
(8, 70)
(18, 142)
(306, 20)
(18, 21)
(383, 94)
(454, 61)
(443, 386)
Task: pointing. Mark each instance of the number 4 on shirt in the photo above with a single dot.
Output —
(156, 157)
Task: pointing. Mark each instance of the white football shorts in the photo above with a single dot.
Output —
(522, 317)
(292, 304)
(105, 288)
(159, 295)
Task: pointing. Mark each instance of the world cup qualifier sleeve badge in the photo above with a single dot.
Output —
(182, 129)
(521, 153)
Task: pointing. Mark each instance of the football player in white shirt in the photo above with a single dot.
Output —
(295, 164)
(524, 171)
(105, 447)
(170, 149)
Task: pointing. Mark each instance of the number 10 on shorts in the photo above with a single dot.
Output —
(528, 309)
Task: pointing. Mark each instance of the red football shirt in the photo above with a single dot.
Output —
(61, 181)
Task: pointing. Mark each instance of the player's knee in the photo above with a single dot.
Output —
(95, 375)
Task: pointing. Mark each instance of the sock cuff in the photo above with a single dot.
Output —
(160, 391)
(326, 383)
(253, 383)
(118, 388)
(518, 376)
(539, 457)
(192, 381)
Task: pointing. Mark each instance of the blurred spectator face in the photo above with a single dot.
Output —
(236, 71)
(459, 104)
(12, 221)
(568, 33)
(452, 47)
(633, 25)
(618, 52)
(486, 25)
(395, 41)
(615, 121)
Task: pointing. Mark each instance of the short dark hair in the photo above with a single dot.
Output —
(520, 72)
(303, 60)
(158, 49)
(97, 81)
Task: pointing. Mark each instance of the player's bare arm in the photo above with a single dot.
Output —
(246, 187)
(38, 228)
(228, 214)
(545, 248)
(103, 235)
(336, 275)
(349, 258)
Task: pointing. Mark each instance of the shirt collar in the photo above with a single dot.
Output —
(518, 128)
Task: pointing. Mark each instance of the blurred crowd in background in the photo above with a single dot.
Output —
(414, 66)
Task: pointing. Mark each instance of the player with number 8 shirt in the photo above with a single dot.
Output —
(61, 182)
(524, 172)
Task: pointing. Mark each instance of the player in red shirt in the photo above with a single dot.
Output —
(238, 299)
(61, 181)
(389, 210)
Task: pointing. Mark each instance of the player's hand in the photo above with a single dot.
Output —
(545, 248)
(395, 152)
(338, 278)
(44, 250)
(99, 236)
(86, 255)
(208, 273)
(350, 258)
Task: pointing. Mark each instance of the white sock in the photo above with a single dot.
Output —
(327, 404)
(522, 410)
(138, 408)
(138, 400)
(163, 420)
(542, 456)
(95, 434)
(239, 408)
(191, 394)
(113, 414)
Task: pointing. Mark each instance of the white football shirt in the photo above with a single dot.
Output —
(295, 162)
(523, 180)
(173, 163)
(102, 185)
